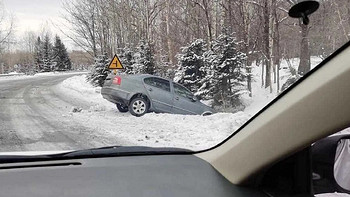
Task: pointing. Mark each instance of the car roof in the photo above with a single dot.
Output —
(149, 75)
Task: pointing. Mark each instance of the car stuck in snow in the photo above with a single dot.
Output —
(144, 93)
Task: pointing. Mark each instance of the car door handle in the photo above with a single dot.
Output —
(150, 89)
(176, 98)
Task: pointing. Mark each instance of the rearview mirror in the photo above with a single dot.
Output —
(342, 164)
(302, 9)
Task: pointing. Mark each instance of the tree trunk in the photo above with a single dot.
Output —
(267, 44)
(274, 73)
(246, 36)
(304, 66)
(277, 48)
(278, 56)
(169, 40)
(262, 74)
(249, 77)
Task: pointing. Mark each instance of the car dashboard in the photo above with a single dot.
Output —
(153, 176)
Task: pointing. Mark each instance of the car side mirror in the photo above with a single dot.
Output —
(331, 164)
(192, 98)
(342, 164)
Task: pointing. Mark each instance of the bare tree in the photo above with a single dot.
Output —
(6, 28)
(28, 41)
(82, 16)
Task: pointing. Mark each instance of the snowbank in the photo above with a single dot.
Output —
(59, 73)
(261, 96)
(156, 130)
(19, 76)
(78, 88)
(8, 77)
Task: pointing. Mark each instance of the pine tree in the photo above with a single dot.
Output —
(60, 56)
(229, 68)
(224, 73)
(148, 59)
(38, 59)
(144, 60)
(126, 57)
(191, 62)
(210, 81)
(100, 72)
(47, 55)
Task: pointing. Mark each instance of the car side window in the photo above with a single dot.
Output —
(158, 83)
(182, 91)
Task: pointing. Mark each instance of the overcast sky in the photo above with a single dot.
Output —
(34, 15)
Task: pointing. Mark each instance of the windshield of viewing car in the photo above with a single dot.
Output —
(155, 73)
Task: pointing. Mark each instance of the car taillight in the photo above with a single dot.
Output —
(117, 80)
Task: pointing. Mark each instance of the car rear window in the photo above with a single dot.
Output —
(158, 83)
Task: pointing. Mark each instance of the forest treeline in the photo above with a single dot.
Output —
(209, 46)
(262, 28)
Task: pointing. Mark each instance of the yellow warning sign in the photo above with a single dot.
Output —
(115, 63)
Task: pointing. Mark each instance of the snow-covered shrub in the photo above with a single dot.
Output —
(143, 60)
(225, 75)
(100, 71)
(191, 61)
(126, 56)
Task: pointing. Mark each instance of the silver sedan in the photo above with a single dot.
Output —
(140, 94)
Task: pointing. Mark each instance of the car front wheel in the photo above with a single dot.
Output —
(122, 108)
(138, 106)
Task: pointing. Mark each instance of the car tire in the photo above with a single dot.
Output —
(207, 113)
(122, 108)
(138, 106)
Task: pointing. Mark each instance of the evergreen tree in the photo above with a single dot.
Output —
(144, 60)
(38, 59)
(191, 62)
(229, 72)
(47, 55)
(126, 57)
(210, 82)
(60, 56)
(224, 73)
(100, 72)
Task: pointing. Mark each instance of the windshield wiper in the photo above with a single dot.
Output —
(121, 151)
(111, 151)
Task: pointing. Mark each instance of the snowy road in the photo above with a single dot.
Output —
(36, 115)
(32, 116)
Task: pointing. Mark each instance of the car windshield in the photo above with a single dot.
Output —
(182, 91)
(82, 74)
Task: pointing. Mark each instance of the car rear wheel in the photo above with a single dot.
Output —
(207, 113)
(122, 108)
(138, 106)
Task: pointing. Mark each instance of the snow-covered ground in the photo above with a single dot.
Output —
(261, 96)
(166, 130)
(159, 130)
(18, 76)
